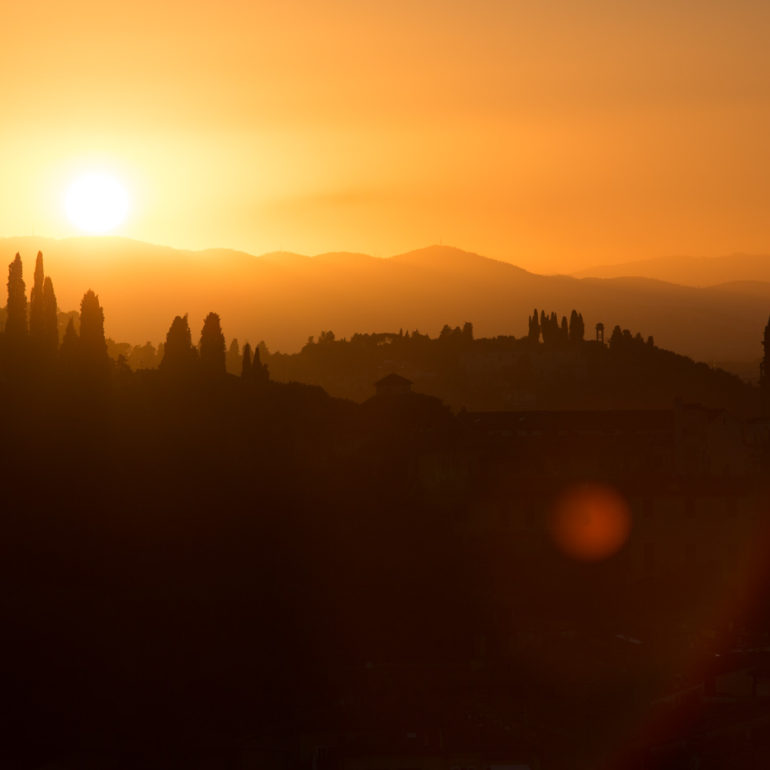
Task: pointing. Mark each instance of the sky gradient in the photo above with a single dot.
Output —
(553, 135)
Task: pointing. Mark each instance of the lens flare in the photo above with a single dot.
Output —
(590, 522)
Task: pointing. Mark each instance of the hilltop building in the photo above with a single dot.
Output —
(393, 385)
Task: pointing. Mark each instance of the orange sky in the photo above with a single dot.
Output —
(554, 135)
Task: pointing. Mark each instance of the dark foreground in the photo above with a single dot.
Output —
(210, 572)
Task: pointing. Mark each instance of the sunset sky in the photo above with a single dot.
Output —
(555, 135)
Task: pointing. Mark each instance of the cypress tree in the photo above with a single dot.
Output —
(576, 327)
(50, 320)
(549, 328)
(616, 340)
(534, 327)
(36, 323)
(233, 358)
(92, 340)
(212, 347)
(179, 356)
(16, 319)
(93, 345)
(69, 353)
(259, 372)
(246, 363)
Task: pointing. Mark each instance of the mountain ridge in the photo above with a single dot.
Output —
(688, 270)
(283, 297)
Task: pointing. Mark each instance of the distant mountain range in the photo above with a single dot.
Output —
(690, 271)
(283, 298)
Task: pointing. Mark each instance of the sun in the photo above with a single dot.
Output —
(96, 203)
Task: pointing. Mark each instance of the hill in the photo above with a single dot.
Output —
(506, 374)
(284, 298)
(689, 271)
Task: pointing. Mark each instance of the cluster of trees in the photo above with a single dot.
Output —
(541, 325)
(145, 356)
(30, 341)
(457, 334)
(447, 334)
(32, 325)
(553, 332)
(31, 336)
(622, 339)
(210, 357)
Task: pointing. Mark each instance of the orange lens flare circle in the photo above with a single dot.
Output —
(590, 522)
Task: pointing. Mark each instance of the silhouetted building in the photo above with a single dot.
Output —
(393, 385)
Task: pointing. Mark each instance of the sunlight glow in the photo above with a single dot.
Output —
(96, 203)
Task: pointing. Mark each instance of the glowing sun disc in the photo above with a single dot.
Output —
(96, 203)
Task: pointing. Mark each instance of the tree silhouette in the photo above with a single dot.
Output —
(534, 327)
(764, 372)
(16, 319)
(143, 357)
(549, 328)
(259, 372)
(179, 355)
(36, 322)
(246, 363)
(93, 361)
(212, 347)
(92, 341)
(49, 338)
(576, 327)
(69, 353)
(233, 358)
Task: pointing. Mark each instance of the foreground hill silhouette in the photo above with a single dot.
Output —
(505, 373)
(209, 570)
(288, 297)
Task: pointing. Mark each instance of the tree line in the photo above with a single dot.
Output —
(30, 340)
(553, 332)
